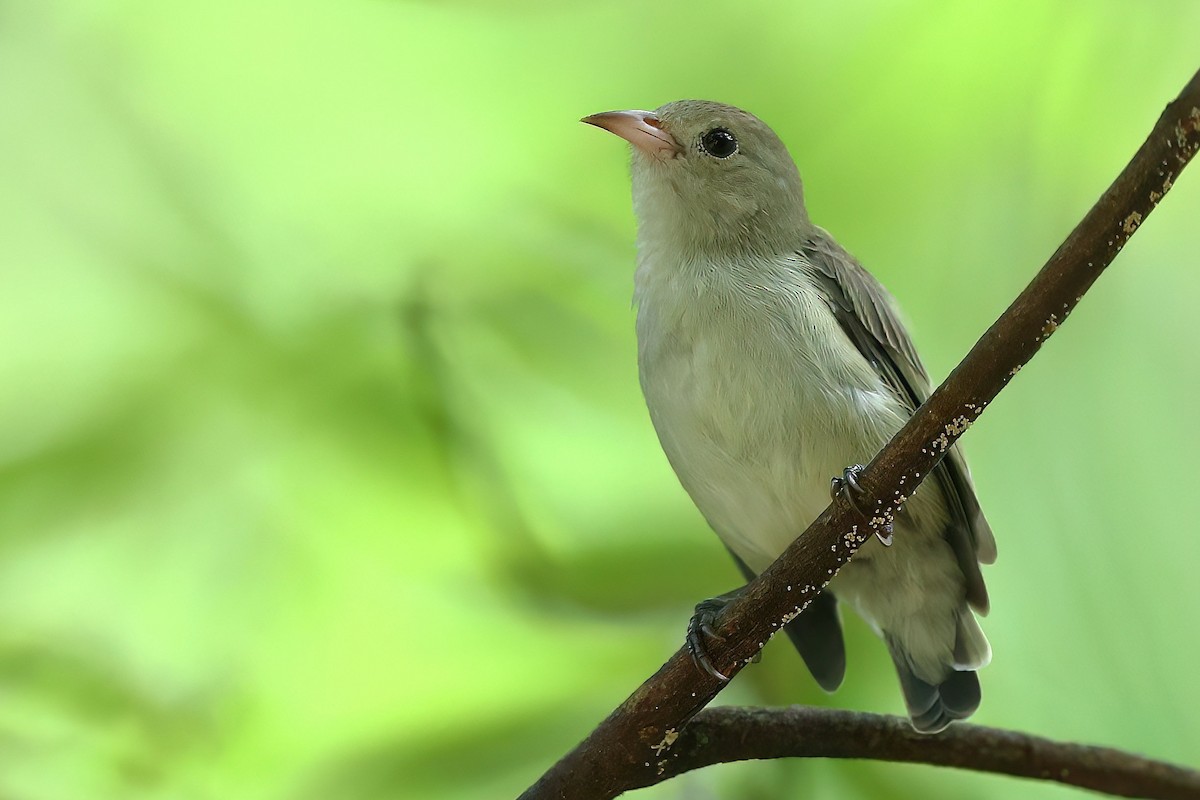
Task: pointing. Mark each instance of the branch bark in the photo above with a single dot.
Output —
(636, 741)
(718, 735)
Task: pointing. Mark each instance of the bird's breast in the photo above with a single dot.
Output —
(757, 396)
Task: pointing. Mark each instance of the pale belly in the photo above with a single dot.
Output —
(756, 438)
(759, 399)
(756, 452)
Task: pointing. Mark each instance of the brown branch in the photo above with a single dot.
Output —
(635, 741)
(719, 735)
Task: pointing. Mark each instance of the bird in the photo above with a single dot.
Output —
(773, 365)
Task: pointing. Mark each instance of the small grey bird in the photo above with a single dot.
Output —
(770, 360)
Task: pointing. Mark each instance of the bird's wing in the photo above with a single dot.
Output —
(866, 314)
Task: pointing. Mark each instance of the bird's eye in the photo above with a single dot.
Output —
(719, 143)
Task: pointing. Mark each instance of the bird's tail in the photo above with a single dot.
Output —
(955, 693)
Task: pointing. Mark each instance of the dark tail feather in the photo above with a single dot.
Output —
(931, 707)
(817, 634)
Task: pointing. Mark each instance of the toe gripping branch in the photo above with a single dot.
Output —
(848, 485)
(701, 628)
(700, 631)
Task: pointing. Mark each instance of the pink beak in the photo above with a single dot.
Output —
(641, 129)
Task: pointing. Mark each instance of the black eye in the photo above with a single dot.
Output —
(719, 143)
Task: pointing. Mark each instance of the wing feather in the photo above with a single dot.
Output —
(867, 315)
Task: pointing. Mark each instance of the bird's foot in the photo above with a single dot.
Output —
(847, 484)
(700, 631)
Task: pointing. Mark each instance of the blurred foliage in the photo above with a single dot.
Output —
(323, 467)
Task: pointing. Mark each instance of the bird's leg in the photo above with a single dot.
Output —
(700, 629)
(848, 484)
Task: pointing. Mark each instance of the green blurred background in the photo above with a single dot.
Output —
(324, 472)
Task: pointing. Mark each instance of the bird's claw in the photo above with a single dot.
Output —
(847, 484)
(700, 630)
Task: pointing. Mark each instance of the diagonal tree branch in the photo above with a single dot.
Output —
(636, 741)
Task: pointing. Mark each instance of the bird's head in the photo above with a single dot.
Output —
(708, 176)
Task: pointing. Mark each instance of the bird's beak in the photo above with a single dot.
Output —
(641, 129)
